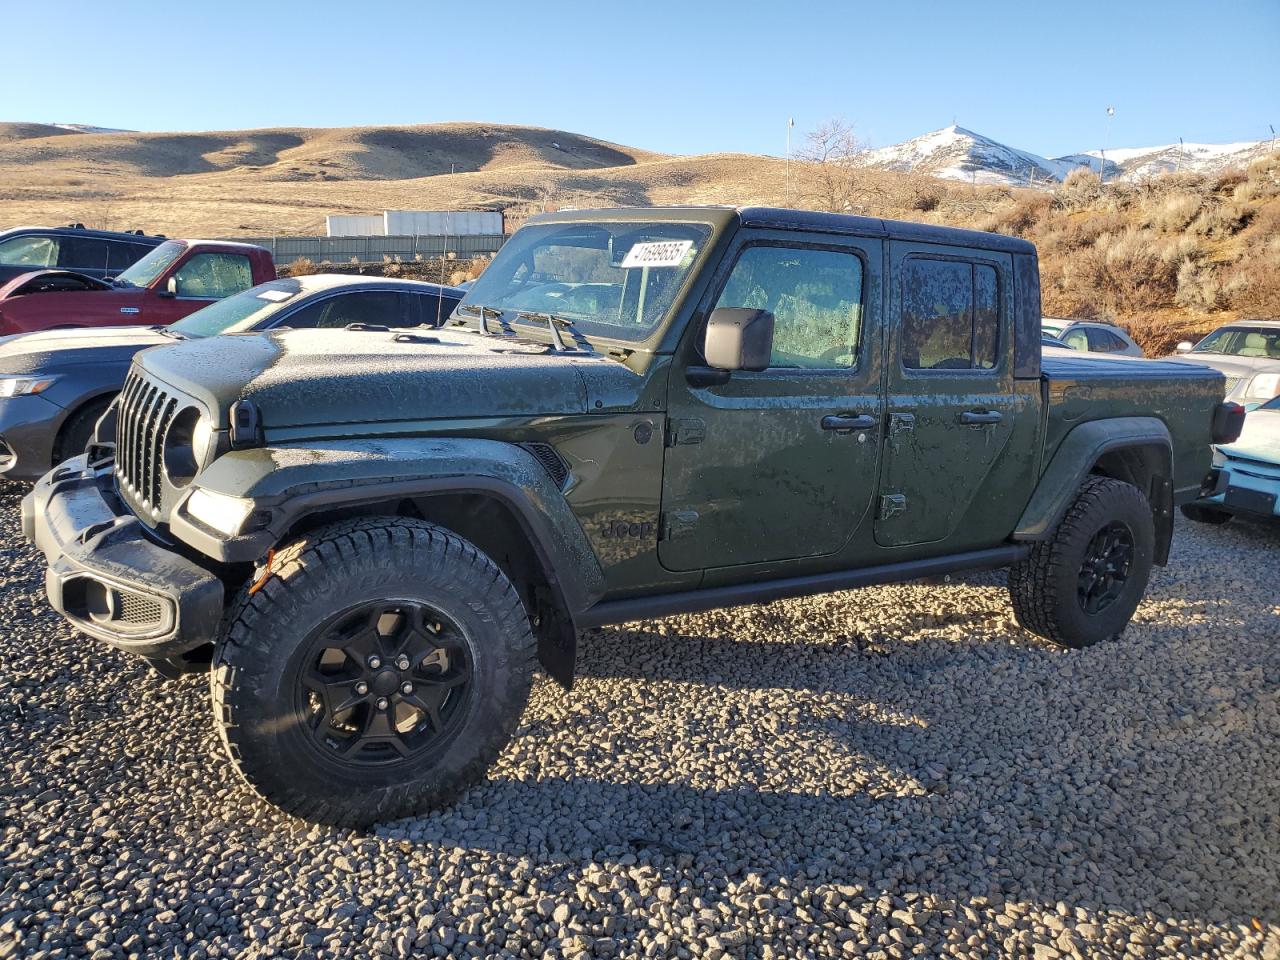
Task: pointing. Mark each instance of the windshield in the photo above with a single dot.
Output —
(1052, 329)
(1242, 342)
(240, 311)
(142, 273)
(615, 280)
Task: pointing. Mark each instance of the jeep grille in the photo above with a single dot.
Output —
(146, 409)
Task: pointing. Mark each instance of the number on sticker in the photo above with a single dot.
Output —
(657, 253)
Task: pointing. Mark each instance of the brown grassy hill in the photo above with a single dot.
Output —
(1167, 257)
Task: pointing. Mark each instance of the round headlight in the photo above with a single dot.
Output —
(181, 459)
(202, 439)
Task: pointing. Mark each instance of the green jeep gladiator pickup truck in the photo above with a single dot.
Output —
(367, 535)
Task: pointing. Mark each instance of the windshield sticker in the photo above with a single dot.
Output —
(657, 253)
(275, 296)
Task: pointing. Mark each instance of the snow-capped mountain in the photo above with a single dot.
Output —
(87, 128)
(955, 153)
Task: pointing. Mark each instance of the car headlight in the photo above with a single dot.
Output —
(219, 511)
(24, 386)
(1262, 387)
(202, 439)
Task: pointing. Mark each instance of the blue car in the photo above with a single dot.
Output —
(1245, 479)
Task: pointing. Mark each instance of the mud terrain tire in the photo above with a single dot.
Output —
(343, 610)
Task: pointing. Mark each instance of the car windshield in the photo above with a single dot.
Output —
(142, 273)
(1242, 341)
(1052, 329)
(614, 280)
(240, 311)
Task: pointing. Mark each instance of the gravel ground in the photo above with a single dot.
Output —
(885, 773)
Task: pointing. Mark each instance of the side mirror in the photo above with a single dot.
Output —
(171, 288)
(739, 339)
(1185, 346)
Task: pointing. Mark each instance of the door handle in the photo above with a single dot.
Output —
(849, 421)
(977, 418)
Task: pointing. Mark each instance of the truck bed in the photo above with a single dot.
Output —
(1079, 388)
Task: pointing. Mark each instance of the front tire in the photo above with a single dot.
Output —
(378, 671)
(1082, 584)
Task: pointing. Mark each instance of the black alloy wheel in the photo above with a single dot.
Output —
(385, 681)
(1105, 568)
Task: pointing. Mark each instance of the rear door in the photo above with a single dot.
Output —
(954, 406)
(87, 255)
(779, 464)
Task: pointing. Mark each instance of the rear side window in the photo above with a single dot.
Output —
(815, 297)
(122, 255)
(33, 252)
(83, 253)
(436, 309)
(950, 315)
(1104, 341)
(214, 276)
(376, 307)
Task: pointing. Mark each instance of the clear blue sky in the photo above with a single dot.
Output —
(687, 77)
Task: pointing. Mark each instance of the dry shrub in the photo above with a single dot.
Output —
(1175, 212)
(1253, 287)
(1159, 334)
(301, 267)
(1081, 188)
(1199, 288)
(1224, 220)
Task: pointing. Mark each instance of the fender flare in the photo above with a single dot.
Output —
(293, 481)
(1077, 456)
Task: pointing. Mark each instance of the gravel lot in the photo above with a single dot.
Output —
(885, 773)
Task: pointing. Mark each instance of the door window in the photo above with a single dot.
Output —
(375, 307)
(950, 315)
(83, 253)
(212, 276)
(1104, 341)
(436, 309)
(815, 297)
(121, 255)
(33, 252)
(1077, 340)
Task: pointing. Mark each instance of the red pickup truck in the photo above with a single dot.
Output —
(175, 279)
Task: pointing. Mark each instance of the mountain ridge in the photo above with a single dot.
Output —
(957, 153)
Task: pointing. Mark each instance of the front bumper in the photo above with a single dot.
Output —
(28, 428)
(108, 577)
(1243, 486)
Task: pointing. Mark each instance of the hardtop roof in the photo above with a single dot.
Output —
(782, 218)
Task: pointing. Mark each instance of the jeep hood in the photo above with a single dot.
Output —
(52, 350)
(299, 378)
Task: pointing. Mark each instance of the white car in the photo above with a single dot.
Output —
(1247, 352)
(1090, 336)
(1246, 474)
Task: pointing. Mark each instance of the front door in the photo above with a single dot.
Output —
(953, 401)
(779, 464)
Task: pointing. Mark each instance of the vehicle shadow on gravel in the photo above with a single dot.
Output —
(907, 740)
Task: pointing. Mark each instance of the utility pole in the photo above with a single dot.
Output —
(1106, 135)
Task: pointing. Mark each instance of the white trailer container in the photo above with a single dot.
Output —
(355, 225)
(442, 223)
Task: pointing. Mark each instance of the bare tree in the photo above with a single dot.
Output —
(830, 176)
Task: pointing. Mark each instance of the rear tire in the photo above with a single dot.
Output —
(378, 672)
(1082, 585)
(1210, 515)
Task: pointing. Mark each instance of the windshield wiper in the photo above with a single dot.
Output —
(170, 332)
(486, 314)
(554, 326)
